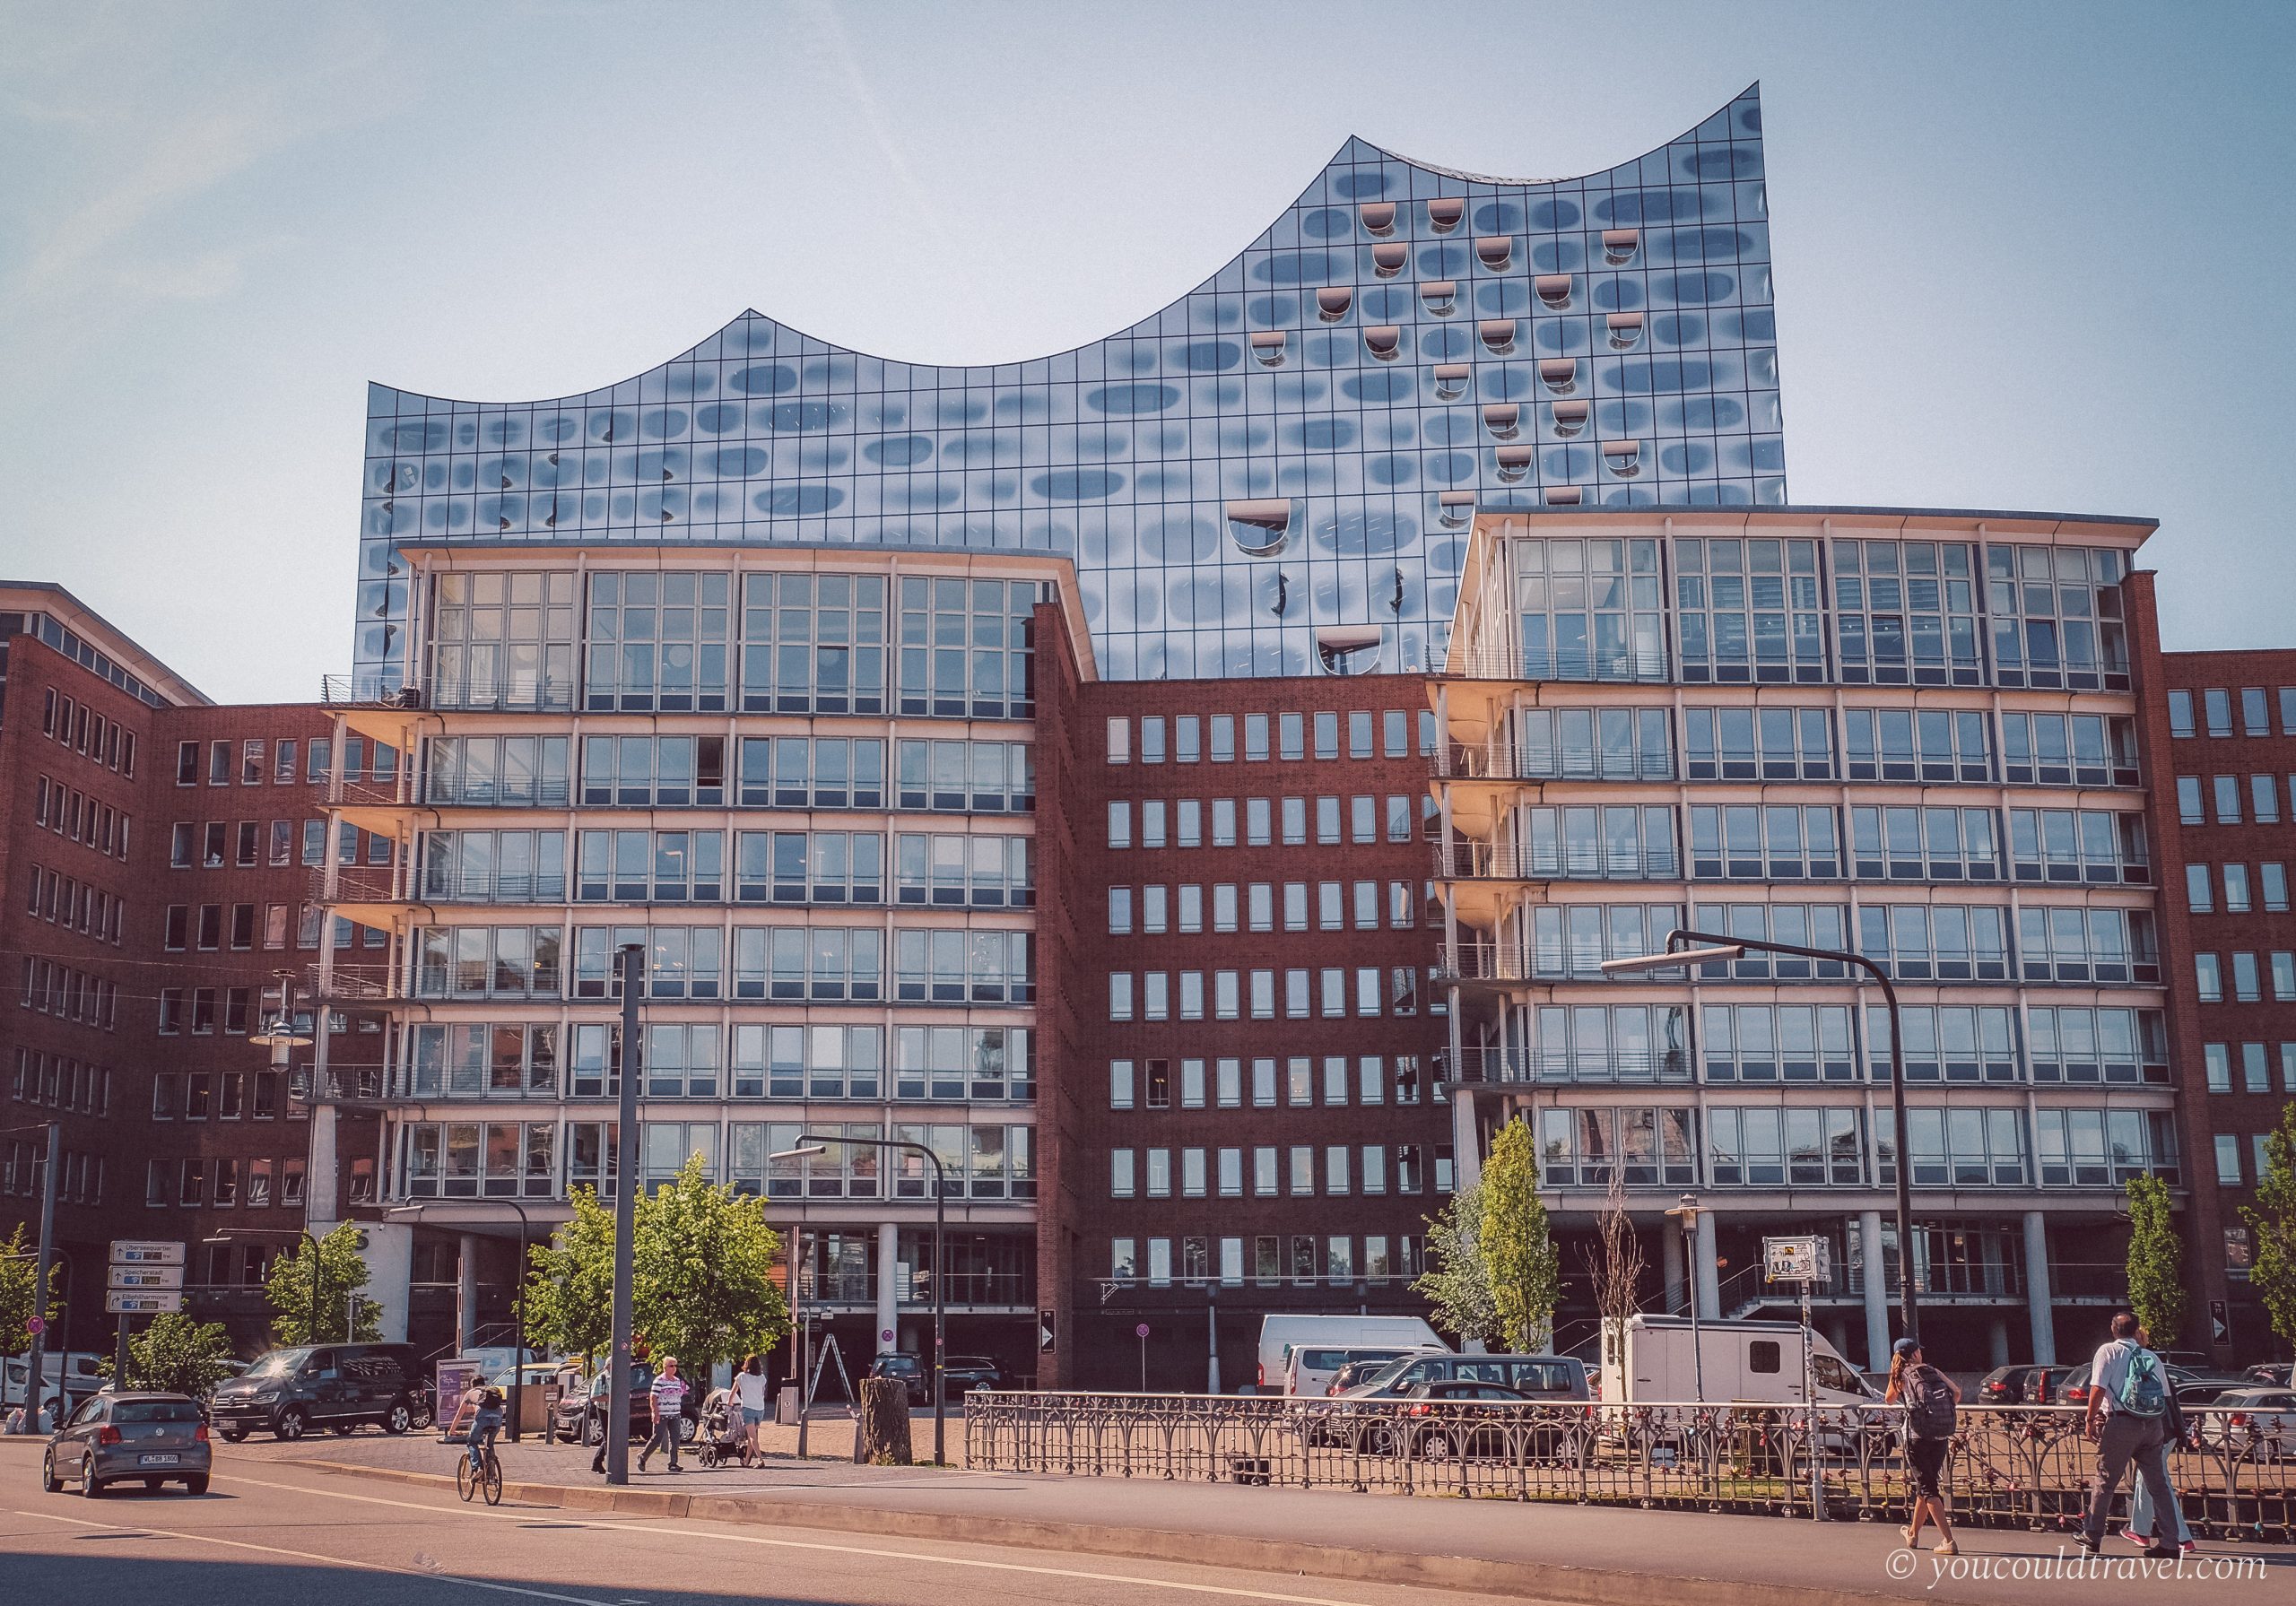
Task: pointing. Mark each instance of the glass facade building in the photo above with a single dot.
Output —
(1275, 475)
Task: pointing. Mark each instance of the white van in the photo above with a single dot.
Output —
(74, 1374)
(1756, 1362)
(1280, 1336)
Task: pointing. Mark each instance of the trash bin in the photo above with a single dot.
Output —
(785, 1406)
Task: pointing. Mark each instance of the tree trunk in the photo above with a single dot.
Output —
(881, 1432)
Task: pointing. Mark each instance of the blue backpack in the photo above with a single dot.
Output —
(2143, 1391)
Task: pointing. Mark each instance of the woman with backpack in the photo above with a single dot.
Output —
(1929, 1398)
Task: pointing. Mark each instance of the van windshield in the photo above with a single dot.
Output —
(1386, 1374)
(280, 1363)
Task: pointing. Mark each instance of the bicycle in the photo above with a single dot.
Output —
(486, 1478)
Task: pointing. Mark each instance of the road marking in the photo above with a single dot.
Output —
(370, 1566)
(794, 1544)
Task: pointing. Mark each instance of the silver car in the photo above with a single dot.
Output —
(113, 1438)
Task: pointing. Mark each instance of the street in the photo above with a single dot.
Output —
(274, 1533)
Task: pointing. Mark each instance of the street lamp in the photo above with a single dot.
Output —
(1720, 948)
(1688, 1209)
(813, 1144)
(517, 1302)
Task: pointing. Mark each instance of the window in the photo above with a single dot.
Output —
(1591, 611)
(2219, 705)
(2096, 846)
(2236, 889)
(2228, 1160)
(1612, 841)
(1773, 841)
(2228, 799)
(2275, 877)
(1952, 1044)
(2200, 897)
(2208, 973)
(2264, 798)
(2056, 617)
(1121, 1178)
(2060, 750)
(1151, 739)
(2188, 805)
(1119, 742)
(1906, 612)
(1119, 824)
(1908, 744)
(2180, 713)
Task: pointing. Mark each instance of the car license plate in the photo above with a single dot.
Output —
(156, 1461)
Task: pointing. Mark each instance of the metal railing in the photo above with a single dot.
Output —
(508, 887)
(1469, 860)
(386, 689)
(551, 793)
(2011, 1467)
(1540, 664)
(1479, 1066)
(1564, 761)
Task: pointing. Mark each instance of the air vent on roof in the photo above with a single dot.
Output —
(1260, 527)
(1514, 461)
(1383, 340)
(1623, 457)
(1554, 290)
(1451, 380)
(1564, 496)
(1269, 345)
(1378, 217)
(1388, 260)
(1619, 245)
(1494, 251)
(1456, 507)
(1440, 297)
(1498, 334)
(1626, 330)
(1569, 418)
(1560, 375)
(1332, 305)
(1502, 419)
(1444, 216)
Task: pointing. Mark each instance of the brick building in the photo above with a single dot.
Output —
(2223, 802)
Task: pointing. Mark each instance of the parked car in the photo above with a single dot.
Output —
(582, 1406)
(2024, 1384)
(1280, 1334)
(909, 1368)
(2198, 1385)
(151, 1437)
(1534, 1377)
(2277, 1373)
(1354, 1375)
(964, 1373)
(1310, 1368)
(1432, 1429)
(2260, 1422)
(339, 1386)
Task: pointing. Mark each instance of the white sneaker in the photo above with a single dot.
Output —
(1906, 1534)
(1948, 1549)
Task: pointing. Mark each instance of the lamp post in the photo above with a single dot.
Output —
(632, 956)
(812, 1144)
(518, 1302)
(226, 1235)
(43, 1267)
(1688, 1210)
(1679, 953)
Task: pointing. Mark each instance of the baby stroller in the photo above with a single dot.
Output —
(721, 1438)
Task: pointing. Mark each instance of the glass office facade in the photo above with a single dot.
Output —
(1275, 475)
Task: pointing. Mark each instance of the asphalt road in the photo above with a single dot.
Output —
(269, 1535)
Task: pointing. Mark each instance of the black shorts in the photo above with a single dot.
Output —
(1927, 1457)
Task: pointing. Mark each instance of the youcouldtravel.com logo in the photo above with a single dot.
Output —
(2070, 1566)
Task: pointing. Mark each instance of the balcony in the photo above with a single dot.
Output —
(502, 887)
(1573, 762)
(528, 792)
(1572, 861)
(1498, 1067)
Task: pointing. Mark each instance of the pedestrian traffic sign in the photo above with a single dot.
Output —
(123, 1303)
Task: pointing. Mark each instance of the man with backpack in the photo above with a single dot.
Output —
(2126, 1420)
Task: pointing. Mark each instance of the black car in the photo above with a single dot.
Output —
(1440, 1422)
(965, 1373)
(581, 1413)
(339, 1386)
(2023, 1384)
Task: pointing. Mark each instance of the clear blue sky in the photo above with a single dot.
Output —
(2029, 256)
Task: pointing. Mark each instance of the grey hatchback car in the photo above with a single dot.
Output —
(119, 1438)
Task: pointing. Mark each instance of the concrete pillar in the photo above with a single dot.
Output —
(1996, 1341)
(1709, 1277)
(1877, 1290)
(1466, 1154)
(889, 1286)
(1670, 1266)
(2042, 1312)
(466, 1290)
(390, 1271)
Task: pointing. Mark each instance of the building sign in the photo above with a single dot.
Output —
(1796, 1260)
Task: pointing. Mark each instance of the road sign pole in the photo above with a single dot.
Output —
(119, 1356)
(42, 1267)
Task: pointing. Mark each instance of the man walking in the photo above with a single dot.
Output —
(2128, 1404)
(669, 1409)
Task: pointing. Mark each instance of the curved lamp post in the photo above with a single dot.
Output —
(517, 1298)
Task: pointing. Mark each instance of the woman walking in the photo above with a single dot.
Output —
(1929, 1397)
(748, 1399)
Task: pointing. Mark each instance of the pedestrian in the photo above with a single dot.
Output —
(1929, 1398)
(2126, 1420)
(668, 1394)
(748, 1399)
(2176, 1433)
(606, 1424)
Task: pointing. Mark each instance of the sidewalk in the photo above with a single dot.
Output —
(1598, 1555)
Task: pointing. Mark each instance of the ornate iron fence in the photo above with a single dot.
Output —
(2012, 1466)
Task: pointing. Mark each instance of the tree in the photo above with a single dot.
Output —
(2272, 1224)
(178, 1355)
(18, 1271)
(703, 1261)
(570, 1282)
(2156, 1273)
(342, 1273)
(1614, 1265)
(1456, 1281)
(1526, 1268)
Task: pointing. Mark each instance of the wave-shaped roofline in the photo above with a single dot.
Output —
(586, 397)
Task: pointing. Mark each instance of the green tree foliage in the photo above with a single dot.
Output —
(176, 1354)
(702, 1289)
(18, 1271)
(1457, 1282)
(2156, 1273)
(570, 1282)
(1526, 1267)
(2272, 1224)
(342, 1272)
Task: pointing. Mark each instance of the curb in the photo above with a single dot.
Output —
(1577, 1587)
